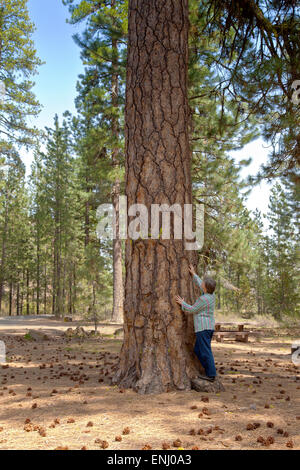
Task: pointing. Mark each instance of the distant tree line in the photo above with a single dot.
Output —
(51, 261)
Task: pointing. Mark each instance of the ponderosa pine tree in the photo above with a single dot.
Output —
(18, 248)
(235, 249)
(92, 168)
(157, 352)
(39, 268)
(283, 247)
(259, 56)
(18, 62)
(102, 49)
(13, 210)
(58, 194)
(215, 174)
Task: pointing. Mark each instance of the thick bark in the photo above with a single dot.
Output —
(118, 287)
(157, 353)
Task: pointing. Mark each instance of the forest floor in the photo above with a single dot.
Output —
(51, 397)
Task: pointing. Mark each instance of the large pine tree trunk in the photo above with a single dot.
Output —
(157, 355)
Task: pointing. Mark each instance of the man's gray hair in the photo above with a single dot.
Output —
(210, 284)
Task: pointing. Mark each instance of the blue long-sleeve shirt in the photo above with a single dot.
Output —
(202, 309)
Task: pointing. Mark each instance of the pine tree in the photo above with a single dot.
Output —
(18, 62)
(12, 218)
(157, 350)
(282, 252)
(216, 179)
(58, 187)
(102, 86)
(259, 57)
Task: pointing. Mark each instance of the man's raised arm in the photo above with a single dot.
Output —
(196, 278)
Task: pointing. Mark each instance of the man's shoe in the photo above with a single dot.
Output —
(209, 379)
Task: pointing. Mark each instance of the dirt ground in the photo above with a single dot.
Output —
(55, 394)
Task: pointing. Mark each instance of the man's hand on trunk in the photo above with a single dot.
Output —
(179, 300)
(192, 270)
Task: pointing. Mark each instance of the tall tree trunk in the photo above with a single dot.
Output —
(54, 279)
(38, 272)
(74, 296)
(21, 302)
(70, 290)
(45, 288)
(237, 300)
(63, 290)
(94, 313)
(27, 291)
(87, 213)
(259, 295)
(22, 292)
(58, 285)
(18, 299)
(57, 301)
(3, 249)
(10, 298)
(219, 294)
(157, 352)
(118, 287)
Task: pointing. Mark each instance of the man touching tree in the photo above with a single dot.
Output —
(157, 353)
(204, 322)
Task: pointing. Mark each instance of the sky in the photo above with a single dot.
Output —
(56, 82)
(258, 151)
(55, 85)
